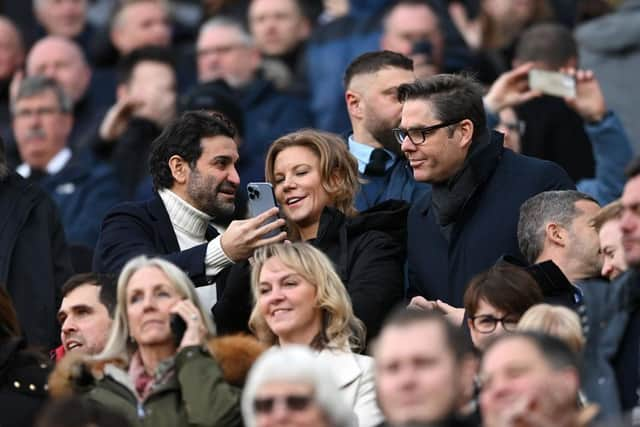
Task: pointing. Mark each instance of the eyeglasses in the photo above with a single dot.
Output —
(293, 402)
(486, 323)
(41, 112)
(418, 135)
(518, 126)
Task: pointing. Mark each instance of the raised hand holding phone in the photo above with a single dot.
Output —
(552, 83)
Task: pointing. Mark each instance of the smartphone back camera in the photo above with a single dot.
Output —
(254, 193)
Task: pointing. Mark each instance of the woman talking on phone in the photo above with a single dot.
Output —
(315, 180)
(152, 372)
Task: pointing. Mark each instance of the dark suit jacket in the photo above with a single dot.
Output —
(486, 229)
(144, 228)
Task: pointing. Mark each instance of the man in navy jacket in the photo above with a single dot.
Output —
(83, 189)
(469, 217)
(193, 167)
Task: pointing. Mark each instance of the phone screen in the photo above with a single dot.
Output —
(552, 83)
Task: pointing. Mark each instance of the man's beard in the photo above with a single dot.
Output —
(386, 138)
(382, 132)
(204, 193)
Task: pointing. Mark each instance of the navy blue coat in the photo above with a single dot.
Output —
(485, 230)
(144, 228)
(84, 192)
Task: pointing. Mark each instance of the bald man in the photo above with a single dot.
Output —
(63, 60)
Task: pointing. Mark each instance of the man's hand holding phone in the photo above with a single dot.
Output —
(588, 100)
(244, 236)
(511, 89)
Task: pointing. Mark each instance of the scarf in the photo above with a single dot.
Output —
(450, 197)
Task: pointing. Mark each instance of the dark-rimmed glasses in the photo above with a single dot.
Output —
(418, 135)
(486, 323)
(293, 402)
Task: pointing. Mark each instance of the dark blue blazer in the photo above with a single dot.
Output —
(144, 228)
(486, 229)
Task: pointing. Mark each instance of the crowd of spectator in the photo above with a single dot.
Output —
(336, 213)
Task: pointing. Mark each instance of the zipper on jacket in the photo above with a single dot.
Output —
(140, 410)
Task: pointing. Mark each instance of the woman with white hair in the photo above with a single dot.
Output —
(300, 299)
(152, 373)
(290, 386)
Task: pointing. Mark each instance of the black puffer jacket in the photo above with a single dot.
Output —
(368, 252)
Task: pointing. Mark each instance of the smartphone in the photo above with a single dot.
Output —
(178, 328)
(261, 199)
(552, 83)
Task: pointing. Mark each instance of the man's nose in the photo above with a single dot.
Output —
(69, 325)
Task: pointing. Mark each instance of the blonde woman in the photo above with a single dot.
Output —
(555, 320)
(299, 299)
(147, 372)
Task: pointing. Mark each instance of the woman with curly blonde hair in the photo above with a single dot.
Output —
(299, 299)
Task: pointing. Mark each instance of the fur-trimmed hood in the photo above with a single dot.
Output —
(235, 354)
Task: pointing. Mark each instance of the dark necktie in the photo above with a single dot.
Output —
(37, 175)
(377, 162)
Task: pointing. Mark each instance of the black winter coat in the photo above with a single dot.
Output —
(368, 252)
(23, 379)
(34, 259)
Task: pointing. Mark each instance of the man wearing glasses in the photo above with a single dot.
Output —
(83, 189)
(469, 217)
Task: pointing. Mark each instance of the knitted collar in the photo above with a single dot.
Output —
(184, 217)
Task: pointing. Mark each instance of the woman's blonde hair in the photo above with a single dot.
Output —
(554, 320)
(338, 167)
(118, 344)
(340, 327)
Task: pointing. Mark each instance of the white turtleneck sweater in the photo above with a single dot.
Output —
(190, 226)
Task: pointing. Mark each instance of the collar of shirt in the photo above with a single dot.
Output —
(55, 165)
(362, 153)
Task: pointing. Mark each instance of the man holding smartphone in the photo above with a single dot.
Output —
(193, 167)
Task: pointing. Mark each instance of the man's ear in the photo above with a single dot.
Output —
(354, 104)
(465, 127)
(180, 169)
(555, 233)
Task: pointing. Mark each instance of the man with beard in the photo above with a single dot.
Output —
(557, 226)
(193, 167)
(371, 82)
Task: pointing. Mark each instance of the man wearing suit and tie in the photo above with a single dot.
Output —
(193, 167)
